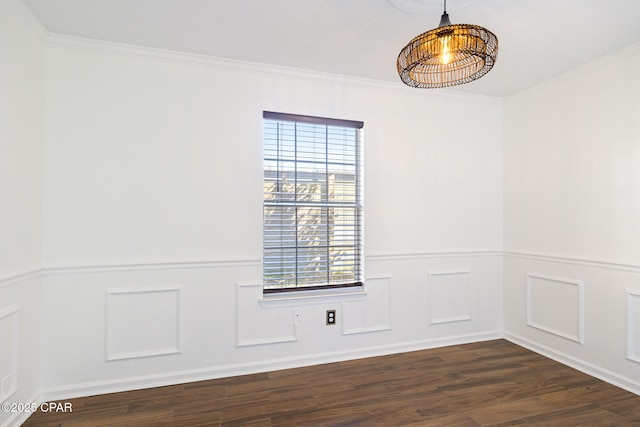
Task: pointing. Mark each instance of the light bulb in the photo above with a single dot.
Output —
(445, 56)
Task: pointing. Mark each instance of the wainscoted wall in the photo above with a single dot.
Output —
(571, 208)
(155, 324)
(147, 155)
(154, 155)
(581, 312)
(21, 175)
(20, 336)
(556, 305)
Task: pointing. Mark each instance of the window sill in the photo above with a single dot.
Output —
(311, 297)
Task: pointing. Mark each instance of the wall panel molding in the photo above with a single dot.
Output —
(9, 343)
(257, 325)
(129, 335)
(551, 302)
(633, 324)
(372, 315)
(448, 296)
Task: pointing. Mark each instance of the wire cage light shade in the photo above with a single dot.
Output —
(449, 55)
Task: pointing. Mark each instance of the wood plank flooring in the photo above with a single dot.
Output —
(493, 383)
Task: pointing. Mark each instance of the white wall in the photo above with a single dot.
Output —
(21, 157)
(152, 215)
(571, 209)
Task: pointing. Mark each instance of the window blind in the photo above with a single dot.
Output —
(312, 210)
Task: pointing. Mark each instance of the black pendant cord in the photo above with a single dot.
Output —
(444, 20)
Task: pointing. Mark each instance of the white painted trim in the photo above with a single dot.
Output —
(110, 355)
(251, 284)
(296, 299)
(18, 418)
(143, 265)
(356, 331)
(230, 370)
(13, 311)
(55, 40)
(116, 267)
(271, 340)
(386, 276)
(621, 265)
(398, 256)
(631, 324)
(628, 384)
(430, 301)
(143, 289)
(452, 319)
(25, 16)
(575, 282)
(378, 328)
(14, 279)
(152, 265)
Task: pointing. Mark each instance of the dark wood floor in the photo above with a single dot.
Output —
(493, 383)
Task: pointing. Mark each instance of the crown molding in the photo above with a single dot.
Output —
(62, 41)
(56, 40)
(24, 15)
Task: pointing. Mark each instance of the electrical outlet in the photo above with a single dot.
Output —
(331, 317)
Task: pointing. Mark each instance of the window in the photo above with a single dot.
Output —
(312, 209)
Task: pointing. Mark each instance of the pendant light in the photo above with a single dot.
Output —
(450, 55)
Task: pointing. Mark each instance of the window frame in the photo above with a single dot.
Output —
(358, 205)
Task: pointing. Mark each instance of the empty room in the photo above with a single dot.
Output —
(328, 212)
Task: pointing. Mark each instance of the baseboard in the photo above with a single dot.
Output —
(193, 375)
(586, 367)
(18, 418)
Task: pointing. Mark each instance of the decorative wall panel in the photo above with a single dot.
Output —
(448, 296)
(555, 305)
(130, 335)
(372, 314)
(633, 324)
(256, 325)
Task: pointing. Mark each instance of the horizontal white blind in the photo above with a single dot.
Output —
(312, 206)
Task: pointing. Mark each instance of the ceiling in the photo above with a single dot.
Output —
(538, 39)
